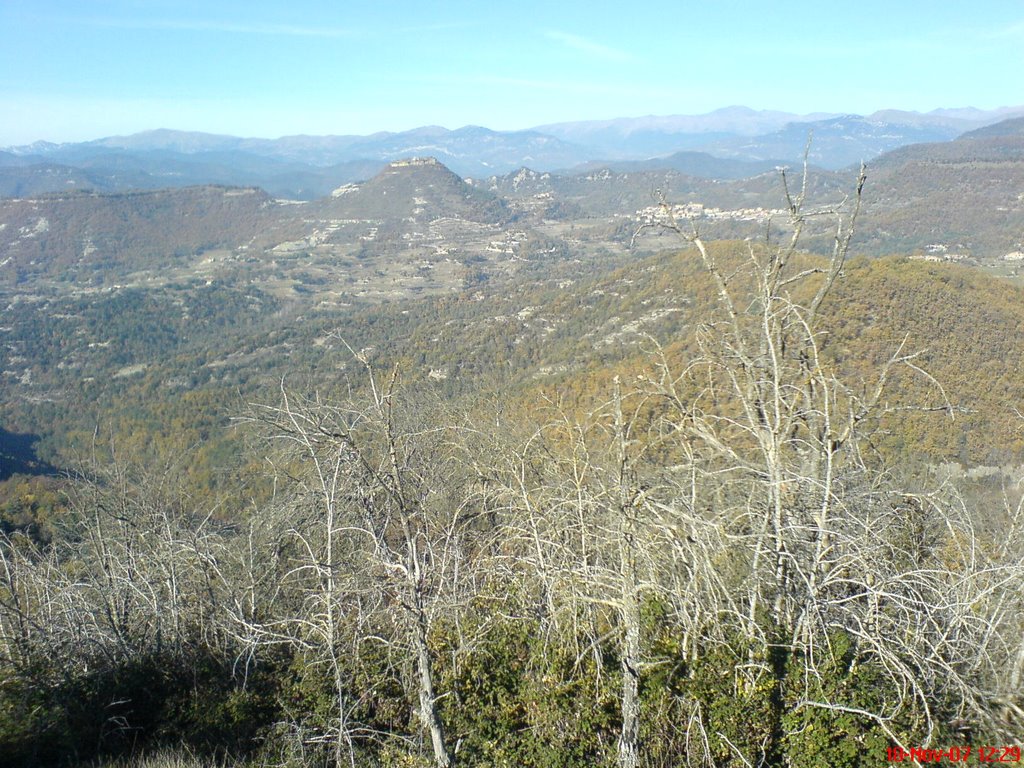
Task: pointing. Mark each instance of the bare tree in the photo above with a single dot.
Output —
(773, 439)
(381, 529)
(601, 533)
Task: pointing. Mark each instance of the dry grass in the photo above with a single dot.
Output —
(164, 759)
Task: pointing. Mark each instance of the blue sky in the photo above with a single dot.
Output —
(90, 68)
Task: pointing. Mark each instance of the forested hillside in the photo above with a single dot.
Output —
(421, 475)
(489, 385)
(88, 238)
(696, 522)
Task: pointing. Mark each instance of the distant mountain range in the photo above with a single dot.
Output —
(415, 221)
(725, 144)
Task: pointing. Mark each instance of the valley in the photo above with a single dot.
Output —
(223, 289)
(588, 405)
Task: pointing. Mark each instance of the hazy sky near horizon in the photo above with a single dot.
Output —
(82, 69)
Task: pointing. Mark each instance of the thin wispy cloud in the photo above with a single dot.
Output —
(1012, 31)
(440, 26)
(280, 30)
(499, 81)
(519, 82)
(196, 25)
(589, 47)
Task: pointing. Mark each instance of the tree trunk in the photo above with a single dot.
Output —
(629, 741)
(429, 715)
(629, 752)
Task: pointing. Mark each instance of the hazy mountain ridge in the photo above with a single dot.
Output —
(758, 135)
(641, 138)
(307, 167)
(49, 178)
(1003, 129)
(149, 320)
(467, 150)
(106, 169)
(834, 143)
(953, 200)
(700, 164)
